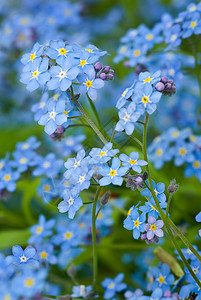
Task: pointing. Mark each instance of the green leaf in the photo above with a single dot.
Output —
(9, 238)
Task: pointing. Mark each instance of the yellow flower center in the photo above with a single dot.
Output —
(129, 212)
(29, 282)
(182, 151)
(193, 138)
(89, 50)
(161, 279)
(68, 235)
(62, 51)
(35, 74)
(196, 164)
(65, 112)
(159, 152)
(193, 8)
(39, 229)
(136, 53)
(111, 285)
(100, 215)
(21, 37)
(153, 227)
(32, 56)
(153, 207)
(113, 173)
(82, 225)
(149, 37)
(173, 37)
(132, 161)
(7, 177)
(103, 153)
(68, 12)
(147, 79)
(175, 134)
(55, 97)
(46, 187)
(123, 94)
(89, 83)
(46, 163)
(123, 49)
(7, 297)
(193, 24)
(25, 146)
(136, 223)
(7, 30)
(24, 21)
(43, 254)
(83, 62)
(23, 160)
(145, 99)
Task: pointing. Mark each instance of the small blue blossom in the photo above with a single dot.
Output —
(128, 117)
(194, 168)
(146, 98)
(73, 163)
(192, 26)
(71, 203)
(85, 61)
(62, 77)
(8, 179)
(81, 291)
(101, 156)
(36, 76)
(162, 277)
(150, 208)
(23, 160)
(40, 108)
(132, 161)
(21, 256)
(127, 93)
(49, 165)
(45, 253)
(146, 77)
(33, 58)
(56, 116)
(30, 144)
(113, 286)
(182, 152)
(173, 36)
(159, 189)
(135, 222)
(112, 174)
(41, 230)
(89, 84)
(58, 50)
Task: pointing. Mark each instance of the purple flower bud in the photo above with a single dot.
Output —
(126, 63)
(109, 77)
(139, 179)
(160, 86)
(97, 66)
(60, 129)
(167, 294)
(102, 76)
(140, 68)
(143, 236)
(163, 79)
(106, 69)
(168, 86)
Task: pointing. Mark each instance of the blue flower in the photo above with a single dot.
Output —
(162, 277)
(71, 203)
(36, 76)
(8, 178)
(128, 117)
(132, 161)
(33, 58)
(69, 145)
(61, 77)
(56, 116)
(45, 253)
(29, 283)
(156, 295)
(112, 174)
(127, 93)
(159, 189)
(49, 165)
(81, 178)
(135, 222)
(85, 61)
(173, 36)
(41, 230)
(150, 208)
(58, 50)
(23, 160)
(182, 152)
(89, 84)
(101, 156)
(146, 77)
(76, 162)
(194, 168)
(158, 153)
(47, 190)
(113, 286)
(192, 26)
(21, 257)
(40, 108)
(146, 98)
(30, 144)
(81, 291)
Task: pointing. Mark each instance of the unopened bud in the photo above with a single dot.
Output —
(145, 176)
(60, 129)
(97, 66)
(102, 76)
(173, 187)
(106, 69)
(163, 79)
(160, 86)
(105, 198)
(167, 294)
(71, 271)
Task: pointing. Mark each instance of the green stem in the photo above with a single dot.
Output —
(95, 260)
(113, 134)
(94, 111)
(136, 139)
(163, 216)
(168, 204)
(91, 123)
(99, 210)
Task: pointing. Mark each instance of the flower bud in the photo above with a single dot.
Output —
(140, 68)
(106, 69)
(97, 66)
(105, 198)
(167, 294)
(160, 86)
(163, 79)
(173, 187)
(60, 129)
(71, 271)
(109, 76)
(102, 76)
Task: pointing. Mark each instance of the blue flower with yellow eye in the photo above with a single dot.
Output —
(146, 77)
(150, 208)
(194, 168)
(89, 83)
(21, 257)
(159, 189)
(81, 291)
(112, 174)
(135, 222)
(37, 75)
(71, 203)
(173, 36)
(55, 116)
(85, 61)
(23, 160)
(41, 230)
(127, 93)
(62, 76)
(162, 277)
(33, 58)
(45, 253)
(146, 99)
(133, 161)
(49, 165)
(101, 156)
(58, 50)
(113, 286)
(182, 152)
(191, 26)
(8, 178)
(30, 144)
